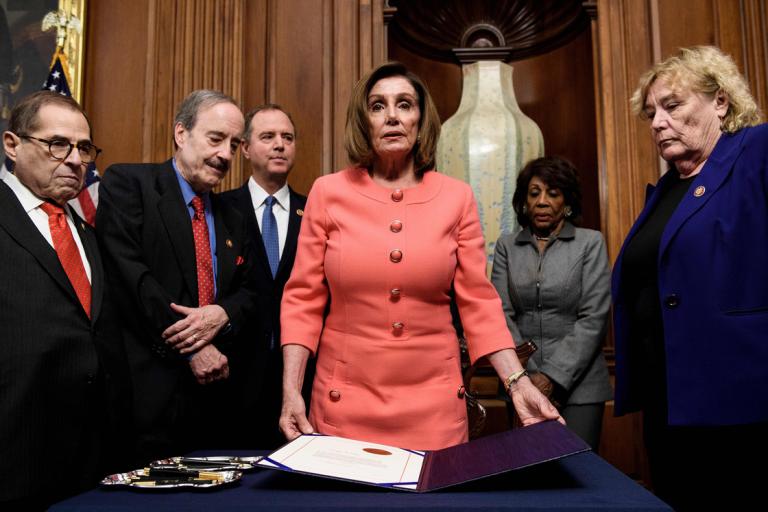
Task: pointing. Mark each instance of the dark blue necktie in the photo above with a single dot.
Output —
(269, 234)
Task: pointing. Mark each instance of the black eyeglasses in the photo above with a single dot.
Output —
(61, 148)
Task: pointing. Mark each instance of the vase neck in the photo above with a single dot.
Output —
(488, 82)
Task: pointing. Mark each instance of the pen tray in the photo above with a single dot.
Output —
(133, 479)
(219, 463)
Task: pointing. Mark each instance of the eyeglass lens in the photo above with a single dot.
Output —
(61, 148)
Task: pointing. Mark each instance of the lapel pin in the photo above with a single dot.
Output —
(699, 191)
(82, 226)
(299, 212)
(229, 243)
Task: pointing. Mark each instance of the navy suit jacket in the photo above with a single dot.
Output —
(713, 289)
(270, 289)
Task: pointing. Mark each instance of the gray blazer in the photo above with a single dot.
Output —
(560, 300)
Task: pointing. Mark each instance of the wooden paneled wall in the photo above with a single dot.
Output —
(143, 57)
(115, 77)
(631, 36)
(191, 45)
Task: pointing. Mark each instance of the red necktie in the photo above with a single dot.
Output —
(69, 255)
(205, 294)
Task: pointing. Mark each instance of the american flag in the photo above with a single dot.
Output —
(86, 201)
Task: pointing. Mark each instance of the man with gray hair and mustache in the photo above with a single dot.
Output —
(181, 260)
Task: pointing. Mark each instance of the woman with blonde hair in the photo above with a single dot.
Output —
(690, 285)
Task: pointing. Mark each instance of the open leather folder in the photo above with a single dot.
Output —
(424, 471)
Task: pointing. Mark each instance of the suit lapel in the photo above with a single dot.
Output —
(715, 171)
(91, 247)
(649, 190)
(226, 249)
(294, 224)
(178, 224)
(20, 227)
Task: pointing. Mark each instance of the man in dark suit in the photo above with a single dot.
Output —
(181, 256)
(274, 214)
(64, 382)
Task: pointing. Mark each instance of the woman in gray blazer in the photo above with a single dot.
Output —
(554, 283)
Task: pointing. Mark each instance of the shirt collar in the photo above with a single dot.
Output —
(568, 232)
(259, 195)
(28, 200)
(187, 191)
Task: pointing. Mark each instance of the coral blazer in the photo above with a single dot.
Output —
(370, 293)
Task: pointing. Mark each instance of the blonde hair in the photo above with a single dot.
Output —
(705, 70)
(357, 138)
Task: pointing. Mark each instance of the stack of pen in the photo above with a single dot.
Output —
(209, 463)
(151, 477)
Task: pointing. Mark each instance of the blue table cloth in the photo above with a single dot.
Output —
(580, 482)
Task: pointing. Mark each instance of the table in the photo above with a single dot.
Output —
(580, 482)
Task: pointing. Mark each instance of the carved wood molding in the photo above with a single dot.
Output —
(192, 44)
(506, 30)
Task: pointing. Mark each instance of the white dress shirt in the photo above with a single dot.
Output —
(31, 204)
(280, 209)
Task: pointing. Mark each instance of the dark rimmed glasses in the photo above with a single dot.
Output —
(61, 148)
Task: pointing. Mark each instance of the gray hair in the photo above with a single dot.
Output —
(186, 115)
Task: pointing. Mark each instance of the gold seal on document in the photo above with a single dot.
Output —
(377, 451)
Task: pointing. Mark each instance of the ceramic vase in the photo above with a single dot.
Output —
(487, 142)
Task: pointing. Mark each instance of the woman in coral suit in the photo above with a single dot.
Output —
(383, 247)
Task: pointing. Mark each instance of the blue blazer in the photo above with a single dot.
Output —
(713, 288)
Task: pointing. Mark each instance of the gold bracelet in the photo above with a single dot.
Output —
(514, 378)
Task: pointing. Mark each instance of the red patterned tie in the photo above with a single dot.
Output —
(202, 254)
(69, 255)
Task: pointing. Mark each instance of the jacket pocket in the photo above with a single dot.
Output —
(747, 311)
(333, 397)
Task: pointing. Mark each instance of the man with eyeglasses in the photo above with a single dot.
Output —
(181, 257)
(64, 381)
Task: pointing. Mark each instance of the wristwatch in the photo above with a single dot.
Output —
(514, 378)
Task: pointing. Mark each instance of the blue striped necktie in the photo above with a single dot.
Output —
(269, 234)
